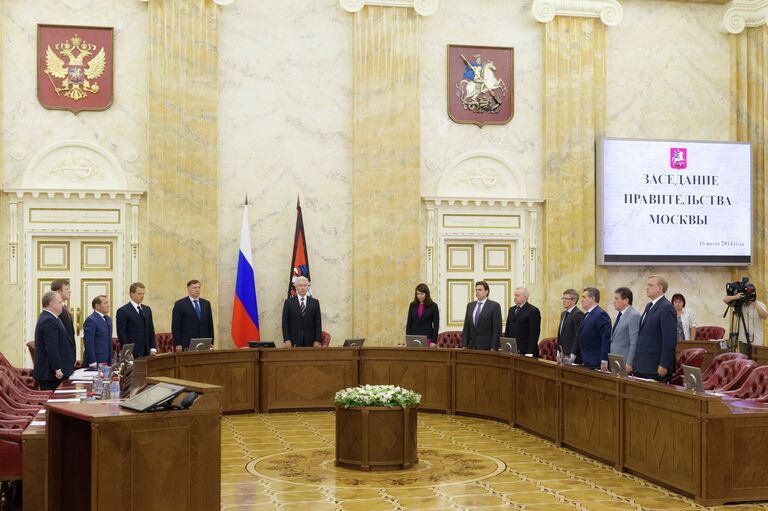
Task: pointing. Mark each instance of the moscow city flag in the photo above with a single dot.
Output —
(300, 261)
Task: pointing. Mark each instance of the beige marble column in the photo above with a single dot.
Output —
(574, 116)
(749, 123)
(385, 183)
(182, 192)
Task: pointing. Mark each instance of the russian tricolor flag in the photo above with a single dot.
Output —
(245, 313)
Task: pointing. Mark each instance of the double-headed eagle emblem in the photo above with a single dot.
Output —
(77, 75)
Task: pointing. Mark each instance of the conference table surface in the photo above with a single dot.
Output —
(704, 445)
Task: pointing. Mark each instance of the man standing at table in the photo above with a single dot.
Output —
(135, 325)
(594, 336)
(97, 334)
(657, 340)
(570, 321)
(524, 323)
(54, 355)
(192, 317)
(61, 286)
(482, 321)
(302, 324)
(625, 328)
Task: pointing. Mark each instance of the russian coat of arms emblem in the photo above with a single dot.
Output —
(74, 67)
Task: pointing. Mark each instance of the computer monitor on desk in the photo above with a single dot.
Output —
(200, 344)
(616, 364)
(692, 379)
(416, 341)
(508, 345)
(354, 342)
(152, 397)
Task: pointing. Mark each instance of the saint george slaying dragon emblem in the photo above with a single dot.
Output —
(479, 89)
(79, 72)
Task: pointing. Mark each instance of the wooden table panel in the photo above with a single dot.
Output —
(483, 384)
(234, 371)
(536, 396)
(590, 413)
(305, 378)
(425, 371)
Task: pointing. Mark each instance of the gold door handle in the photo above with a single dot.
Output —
(78, 320)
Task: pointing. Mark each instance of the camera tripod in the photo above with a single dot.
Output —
(738, 321)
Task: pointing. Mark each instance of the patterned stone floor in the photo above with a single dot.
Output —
(284, 462)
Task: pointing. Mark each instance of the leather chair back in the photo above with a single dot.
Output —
(164, 342)
(548, 349)
(706, 333)
(689, 357)
(755, 387)
(31, 348)
(730, 375)
(325, 338)
(449, 339)
(719, 359)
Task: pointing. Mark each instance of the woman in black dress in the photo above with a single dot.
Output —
(423, 315)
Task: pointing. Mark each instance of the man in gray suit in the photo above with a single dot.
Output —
(626, 327)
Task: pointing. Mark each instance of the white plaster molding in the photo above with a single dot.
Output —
(481, 174)
(422, 7)
(742, 14)
(502, 202)
(610, 12)
(13, 241)
(52, 193)
(74, 164)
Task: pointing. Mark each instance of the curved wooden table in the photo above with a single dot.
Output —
(706, 446)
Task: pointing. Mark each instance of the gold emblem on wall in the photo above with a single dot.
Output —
(74, 67)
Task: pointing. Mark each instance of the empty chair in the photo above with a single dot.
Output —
(325, 338)
(25, 375)
(449, 339)
(693, 357)
(755, 387)
(548, 349)
(22, 385)
(730, 375)
(706, 333)
(719, 359)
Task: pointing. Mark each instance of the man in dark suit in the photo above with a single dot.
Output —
(524, 323)
(61, 286)
(97, 334)
(657, 340)
(482, 321)
(570, 321)
(302, 324)
(593, 339)
(54, 354)
(135, 325)
(192, 317)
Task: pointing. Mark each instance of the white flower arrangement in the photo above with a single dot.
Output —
(377, 395)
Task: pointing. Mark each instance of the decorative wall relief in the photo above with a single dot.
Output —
(481, 84)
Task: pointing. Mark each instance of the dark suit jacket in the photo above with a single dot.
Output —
(593, 339)
(97, 339)
(68, 325)
(53, 349)
(566, 336)
(302, 331)
(428, 324)
(186, 326)
(657, 339)
(132, 328)
(485, 335)
(525, 327)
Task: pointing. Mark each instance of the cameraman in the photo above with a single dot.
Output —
(753, 312)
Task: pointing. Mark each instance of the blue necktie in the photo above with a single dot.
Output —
(477, 311)
(197, 308)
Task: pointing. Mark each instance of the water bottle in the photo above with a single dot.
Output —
(98, 387)
(114, 389)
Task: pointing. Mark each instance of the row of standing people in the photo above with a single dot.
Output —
(55, 355)
(647, 340)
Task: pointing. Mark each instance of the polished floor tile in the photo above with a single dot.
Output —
(285, 462)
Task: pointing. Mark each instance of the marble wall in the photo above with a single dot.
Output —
(286, 123)
(668, 77)
(28, 128)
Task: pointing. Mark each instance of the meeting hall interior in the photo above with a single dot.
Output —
(383, 255)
